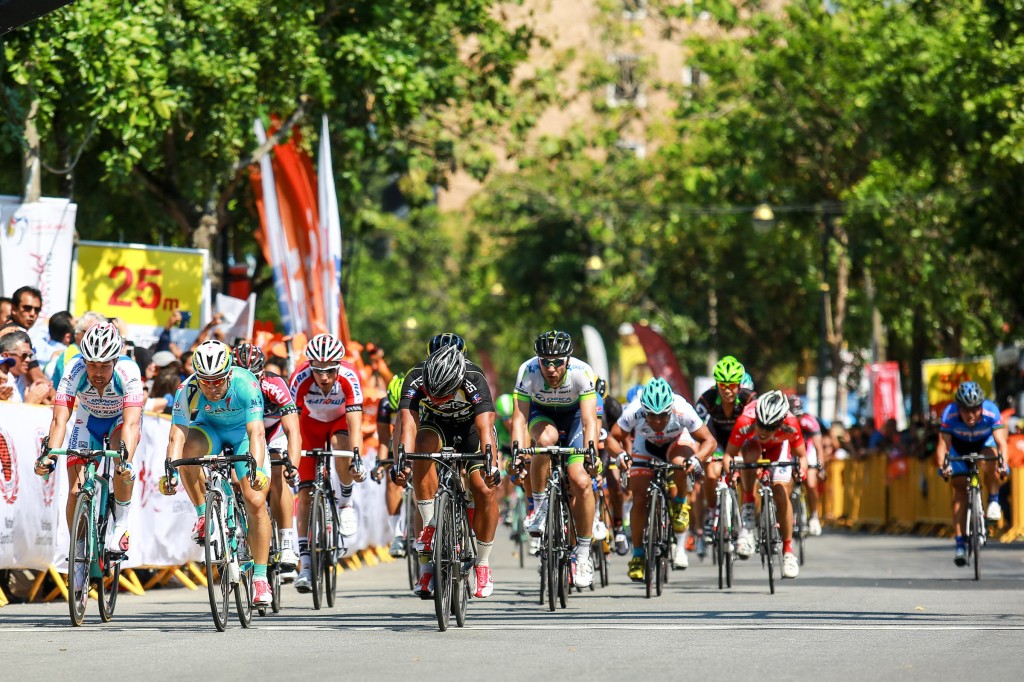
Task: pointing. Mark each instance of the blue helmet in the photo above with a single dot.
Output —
(747, 381)
(969, 394)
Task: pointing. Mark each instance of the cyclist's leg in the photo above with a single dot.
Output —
(79, 439)
(782, 486)
(639, 479)
(282, 500)
(712, 472)
(202, 440)
(258, 533)
(543, 433)
(811, 485)
(340, 441)
(424, 474)
(581, 487)
(990, 477)
(678, 454)
(122, 491)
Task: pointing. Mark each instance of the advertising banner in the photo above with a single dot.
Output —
(887, 395)
(35, 248)
(942, 376)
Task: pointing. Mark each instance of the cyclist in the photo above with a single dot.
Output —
(767, 429)
(387, 417)
(446, 403)
(281, 424)
(223, 405)
(720, 407)
(664, 426)
(970, 424)
(811, 431)
(556, 404)
(611, 414)
(330, 401)
(108, 389)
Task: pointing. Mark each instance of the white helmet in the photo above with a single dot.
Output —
(325, 348)
(444, 371)
(212, 360)
(101, 343)
(771, 409)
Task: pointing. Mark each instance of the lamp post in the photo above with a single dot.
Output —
(826, 234)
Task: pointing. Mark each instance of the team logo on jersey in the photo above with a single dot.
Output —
(8, 468)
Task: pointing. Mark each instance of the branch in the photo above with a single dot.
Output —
(279, 135)
(170, 197)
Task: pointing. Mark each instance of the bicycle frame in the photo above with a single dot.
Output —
(769, 537)
(976, 527)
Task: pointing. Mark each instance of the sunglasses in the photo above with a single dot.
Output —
(29, 308)
(213, 382)
(325, 370)
(732, 387)
(27, 355)
(558, 362)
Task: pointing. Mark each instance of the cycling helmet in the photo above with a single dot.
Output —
(601, 386)
(325, 348)
(444, 371)
(395, 390)
(969, 394)
(771, 409)
(796, 406)
(503, 405)
(101, 343)
(747, 381)
(553, 344)
(212, 360)
(657, 397)
(250, 357)
(634, 393)
(729, 370)
(444, 340)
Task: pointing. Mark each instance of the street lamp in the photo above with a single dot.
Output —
(763, 218)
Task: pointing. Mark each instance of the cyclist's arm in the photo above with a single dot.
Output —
(942, 449)
(176, 441)
(384, 431)
(520, 410)
(707, 443)
(58, 425)
(484, 422)
(131, 429)
(407, 429)
(615, 443)
(730, 452)
(290, 425)
(819, 448)
(801, 452)
(257, 440)
(1001, 440)
(591, 424)
(355, 428)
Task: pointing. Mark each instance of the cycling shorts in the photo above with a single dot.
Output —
(238, 439)
(967, 448)
(775, 452)
(91, 433)
(461, 435)
(568, 423)
(644, 452)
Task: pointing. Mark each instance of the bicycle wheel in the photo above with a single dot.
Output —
(444, 558)
(243, 558)
(768, 537)
(551, 559)
(976, 519)
(110, 569)
(80, 558)
(519, 529)
(559, 516)
(721, 536)
(650, 540)
(665, 549)
(330, 560)
(218, 572)
(799, 522)
(412, 557)
(274, 568)
(460, 590)
(317, 546)
(732, 536)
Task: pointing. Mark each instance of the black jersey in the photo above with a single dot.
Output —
(471, 399)
(710, 410)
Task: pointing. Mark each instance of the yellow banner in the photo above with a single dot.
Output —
(941, 377)
(139, 284)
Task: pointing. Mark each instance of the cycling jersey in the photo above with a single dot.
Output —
(778, 448)
(647, 442)
(346, 394)
(964, 439)
(277, 403)
(222, 421)
(709, 408)
(385, 414)
(810, 428)
(577, 384)
(612, 412)
(471, 399)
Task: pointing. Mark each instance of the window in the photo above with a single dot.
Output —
(627, 88)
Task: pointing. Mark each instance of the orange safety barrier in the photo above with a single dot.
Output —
(903, 490)
(835, 484)
(1016, 529)
(871, 513)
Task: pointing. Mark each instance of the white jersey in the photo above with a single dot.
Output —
(683, 421)
(577, 384)
(124, 390)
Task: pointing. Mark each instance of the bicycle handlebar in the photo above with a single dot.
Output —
(84, 452)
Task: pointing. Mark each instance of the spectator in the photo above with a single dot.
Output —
(886, 438)
(165, 358)
(277, 365)
(49, 344)
(8, 391)
(27, 303)
(162, 396)
(6, 306)
(87, 320)
(17, 345)
(186, 364)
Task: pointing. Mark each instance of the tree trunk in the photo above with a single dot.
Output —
(205, 237)
(32, 168)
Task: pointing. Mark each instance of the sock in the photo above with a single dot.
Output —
(201, 510)
(286, 539)
(292, 537)
(681, 539)
(617, 522)
(540, 499)
(529, 504)
(814, 517)
(787, 546)
(259, 571)
(426, 509)
(991, 498)
(484, 555)
(344, 495)
(961, 540)
(638, 552)
(304, 551)
(393, 522)
(121, 511)
(748, 498)
(582, 546)
(400, 526)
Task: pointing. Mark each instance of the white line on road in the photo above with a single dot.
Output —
(596, 626)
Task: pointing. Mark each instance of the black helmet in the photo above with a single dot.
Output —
(444, 340)
(601, 386)
(553, 344)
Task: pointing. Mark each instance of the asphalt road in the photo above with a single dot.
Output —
(863, 607)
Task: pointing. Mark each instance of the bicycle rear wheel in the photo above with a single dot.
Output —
(80, 558)
(651, 541)
(243, 557)
(665, 549)
(976, 519)
(444, 558)
(330, 559)
(274, 567)
(460, 590)
(218, 574)
(317, 546)
(110, 570)
(799, 522)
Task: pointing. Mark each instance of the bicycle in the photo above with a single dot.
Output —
(600, 550)
(229, 563)
(659, 537)
(769, 539)
(725, 526)
(556, 551)
(410, 514)
(977, 525)
(454, 545)
(801, 519)
(326, 544)
(274, 562)
(88, 559)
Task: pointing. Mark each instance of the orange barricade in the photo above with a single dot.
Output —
(935, 499)
(834, 487)
(873, 492)
(902, 494)
(853, 487)
(1016, 529)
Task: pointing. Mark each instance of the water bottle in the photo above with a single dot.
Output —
(233, 572)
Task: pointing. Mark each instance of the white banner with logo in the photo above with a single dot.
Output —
(33, 525)
(35, 249)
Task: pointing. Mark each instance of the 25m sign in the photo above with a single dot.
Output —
(138, 284)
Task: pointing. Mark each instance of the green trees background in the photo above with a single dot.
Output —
(896, 126)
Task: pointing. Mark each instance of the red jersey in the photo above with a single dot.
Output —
(346, 394)
(745, 430)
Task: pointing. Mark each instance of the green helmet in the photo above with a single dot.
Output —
(503, 406)
(395, 390)
(657, 397)
(729, 370)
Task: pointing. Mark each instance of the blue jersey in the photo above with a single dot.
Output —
(242, 404)
(967, 439)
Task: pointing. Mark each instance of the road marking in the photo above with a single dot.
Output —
(595, 626)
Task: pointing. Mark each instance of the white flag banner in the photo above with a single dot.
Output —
(239, 315)
(330, 231)
(36, 240)
(597, 356)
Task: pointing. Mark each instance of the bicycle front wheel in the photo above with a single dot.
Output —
(274, 567)
(651, 542)
(768, 532)
(559, 516)
(80, 558)
(732, 522)
(412, 557)
(552, 548)
(665, 549)
(107, 585)
(721, 534)
(445, 558)
(318, 546)
(330, 560)
(243, 559)
(218, 571)
(976, 519)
